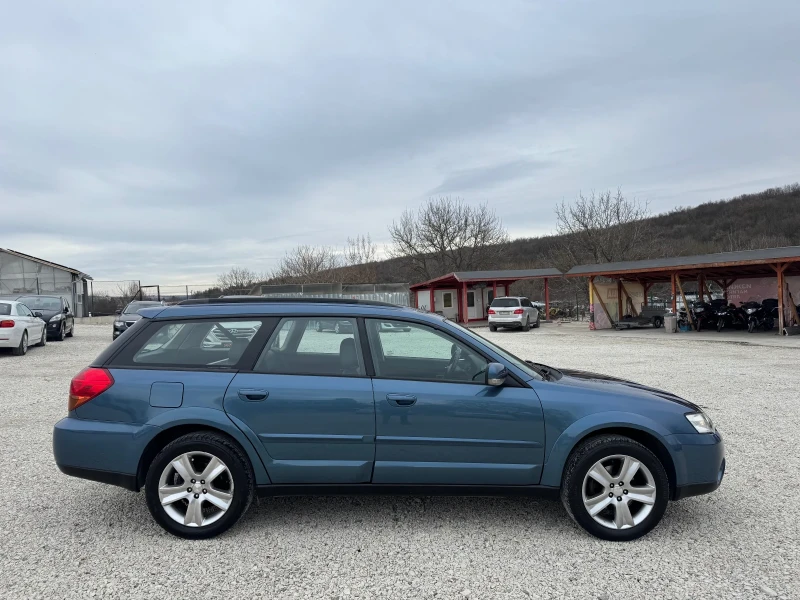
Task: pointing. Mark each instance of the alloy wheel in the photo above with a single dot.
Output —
(619, 492)
(195, 489)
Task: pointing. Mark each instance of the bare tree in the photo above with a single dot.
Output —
(446, 234)
(360, 260)
(239, 280)
(603, 228)
(128, 291)
(308, 264)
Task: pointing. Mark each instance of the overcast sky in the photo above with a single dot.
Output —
(167, 142)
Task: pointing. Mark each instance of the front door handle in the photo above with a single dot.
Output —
(253, 395)
(401, 399)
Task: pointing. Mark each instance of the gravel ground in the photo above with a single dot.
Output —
(67, 538)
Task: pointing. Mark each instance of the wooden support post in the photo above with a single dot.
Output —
(547, 300)
(646, 288)
(494, 289)
(634, 312)
(433, 300)
(619, 299)
(596, 294)
(779, 269)
(793, 308)
(465, 314)
(674, 296)
(685, 304)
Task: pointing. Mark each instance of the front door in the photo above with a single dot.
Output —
(436, 420)
(473, 308)
(310, 403)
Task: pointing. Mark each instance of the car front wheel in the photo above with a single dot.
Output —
(615, 488)
(199, 485)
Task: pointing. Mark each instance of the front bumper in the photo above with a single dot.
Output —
(699, 463)
(101, 450)
(54, 327)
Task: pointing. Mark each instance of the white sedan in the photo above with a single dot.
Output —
(19, 327)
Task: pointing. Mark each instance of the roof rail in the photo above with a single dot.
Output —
(262, 300)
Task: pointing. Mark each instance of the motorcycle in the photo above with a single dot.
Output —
(758, 316)
(730, 316)
(702, 315)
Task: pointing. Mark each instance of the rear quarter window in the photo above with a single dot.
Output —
(221, 343)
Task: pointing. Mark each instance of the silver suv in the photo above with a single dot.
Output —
(513, 311)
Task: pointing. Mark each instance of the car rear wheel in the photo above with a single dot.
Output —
(538, 321)
(43, 340)
(615, 488)
(527, 326)
(22, 349)
(492, 327)
(199, 485)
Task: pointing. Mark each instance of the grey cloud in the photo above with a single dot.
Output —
(189, 129)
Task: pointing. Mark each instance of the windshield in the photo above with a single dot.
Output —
(514, 360)
(135, 307)
(41, 302)
(505, 302)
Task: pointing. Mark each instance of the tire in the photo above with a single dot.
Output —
(527, 326)
(43, 341)
(720, 325)
(612, 450)
(71, 331)
(769, 324)
(238, 478)
(751, 326)
(22, 349)
(492, 327)
(657, 322)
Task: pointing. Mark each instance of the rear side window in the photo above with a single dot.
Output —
(313, 346)
(5, 308)
(504, 302)
(192, 343)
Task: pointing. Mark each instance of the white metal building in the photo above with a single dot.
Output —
(24, 274)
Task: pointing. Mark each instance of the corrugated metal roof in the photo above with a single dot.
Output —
(45, 262)
(511, 274)
(762, 256)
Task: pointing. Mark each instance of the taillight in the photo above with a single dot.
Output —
(88, 384)
(518, 311)
(7, 323)
(491, 312)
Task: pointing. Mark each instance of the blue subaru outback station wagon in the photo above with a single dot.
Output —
(205, 405)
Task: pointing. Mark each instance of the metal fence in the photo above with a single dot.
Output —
(393, 293)
(107, 297)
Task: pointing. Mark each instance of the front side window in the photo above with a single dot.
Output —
(23, 311)
(422, 352)
(206, 343)
(310, 346)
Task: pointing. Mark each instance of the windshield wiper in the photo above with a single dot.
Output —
(547, 373)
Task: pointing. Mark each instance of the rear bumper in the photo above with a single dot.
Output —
(515, 321)
(100, 450)
(10, 338)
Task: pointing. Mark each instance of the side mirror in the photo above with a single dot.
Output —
(496, 374)
(37, 313)
(118, 312)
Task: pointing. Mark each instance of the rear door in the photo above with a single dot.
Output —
(309, 401)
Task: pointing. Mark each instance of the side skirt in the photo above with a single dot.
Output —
(391, 489)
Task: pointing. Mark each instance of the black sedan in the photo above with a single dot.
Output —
(130, 314)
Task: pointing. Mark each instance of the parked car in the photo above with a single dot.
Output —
(513, 312)
(129, 315)
(19, 327)
(288, 412)
(335, 326)
(55, 311)
(389, 327)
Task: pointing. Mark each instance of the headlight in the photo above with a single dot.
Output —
(57, 318)
(119, 324)
(750, 311)
(700, 422)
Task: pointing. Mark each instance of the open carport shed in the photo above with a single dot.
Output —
(465, 295)
(723, 268)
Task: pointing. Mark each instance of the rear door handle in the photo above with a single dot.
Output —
(401, 399)
(253, 395)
